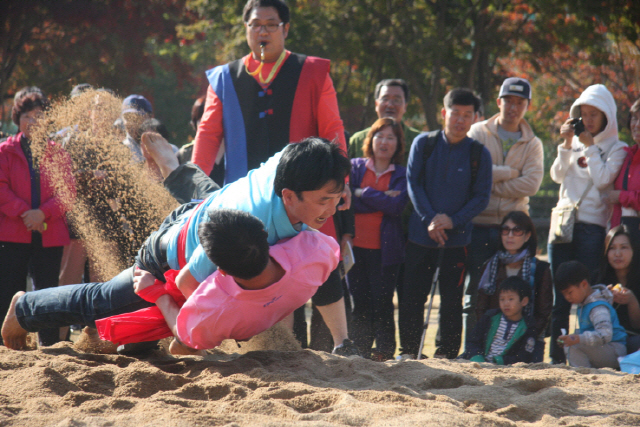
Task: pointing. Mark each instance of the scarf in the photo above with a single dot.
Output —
(488, 280)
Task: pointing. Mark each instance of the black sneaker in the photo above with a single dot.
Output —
(442, 354)
(346, 349)
(138, 349)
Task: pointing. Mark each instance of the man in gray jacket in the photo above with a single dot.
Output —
(518, 168)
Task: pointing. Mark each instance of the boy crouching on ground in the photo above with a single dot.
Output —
(503, 336)
(600, 340)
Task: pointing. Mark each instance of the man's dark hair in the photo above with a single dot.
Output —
(26, 100)
(570, 273)
(280, 5)
(393, 82)
(236, 242)
(311, 164)
(154, 125)
(196, 112)
(517, 285)
(461, 96)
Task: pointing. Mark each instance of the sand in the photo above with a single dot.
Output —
(65, 387)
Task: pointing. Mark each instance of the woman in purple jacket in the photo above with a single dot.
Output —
(379, 186)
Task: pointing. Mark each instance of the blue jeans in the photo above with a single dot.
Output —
(586, 247)
(78, 304)
(485, 241)
(84, 304)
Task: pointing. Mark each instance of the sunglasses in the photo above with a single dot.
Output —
(516, 231)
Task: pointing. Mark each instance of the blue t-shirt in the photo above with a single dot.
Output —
(254, 194)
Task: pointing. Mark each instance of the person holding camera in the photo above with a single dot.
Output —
(589, 158)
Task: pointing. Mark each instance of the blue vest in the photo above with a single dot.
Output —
(619, 334)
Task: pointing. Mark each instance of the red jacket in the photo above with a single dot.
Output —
(631, 197)
(15, 193)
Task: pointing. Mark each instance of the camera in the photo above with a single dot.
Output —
(578, 126)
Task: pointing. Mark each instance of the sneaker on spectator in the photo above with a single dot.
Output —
(409, 356)
(346, 349)
(378, 356)
(441, 354)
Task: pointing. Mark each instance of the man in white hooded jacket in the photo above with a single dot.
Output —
(592, 158)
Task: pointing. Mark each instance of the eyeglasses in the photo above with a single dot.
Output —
(390, 138)
(516, 231)
(392, 101)
(271, 28)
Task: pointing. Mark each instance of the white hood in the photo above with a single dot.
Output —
(598, 96)
(603, 161)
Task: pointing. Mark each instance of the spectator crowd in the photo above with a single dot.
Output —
(446, 208)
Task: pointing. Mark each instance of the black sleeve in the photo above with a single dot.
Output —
(475, 343)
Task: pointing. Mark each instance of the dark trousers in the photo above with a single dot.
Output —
(586, 247)
(17, 260)
(420, 265)
(320, 337)
(188, 183)
(485, 241)
(371, 285)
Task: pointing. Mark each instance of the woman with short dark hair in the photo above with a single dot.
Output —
(32, 221)
(516, 256)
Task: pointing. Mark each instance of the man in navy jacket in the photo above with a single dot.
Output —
(449, 186)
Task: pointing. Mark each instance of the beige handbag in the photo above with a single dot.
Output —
(563, 220)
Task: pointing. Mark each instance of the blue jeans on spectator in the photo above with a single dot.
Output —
(371, 285)
(485, 241)
(586, 247)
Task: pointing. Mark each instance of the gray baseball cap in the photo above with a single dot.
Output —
(515, 86)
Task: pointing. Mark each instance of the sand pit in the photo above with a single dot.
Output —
(62, 386)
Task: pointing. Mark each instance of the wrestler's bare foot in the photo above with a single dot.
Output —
(13, 335)
(176, 348)
(158, 150)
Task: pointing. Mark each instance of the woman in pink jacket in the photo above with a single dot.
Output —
(626, 194)
(32, 225)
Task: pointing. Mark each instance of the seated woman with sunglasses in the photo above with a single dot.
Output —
(516, 257)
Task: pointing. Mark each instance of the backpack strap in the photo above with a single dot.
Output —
(429, 146)
(476, 155)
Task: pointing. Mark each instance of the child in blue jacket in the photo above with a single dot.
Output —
(600, 340)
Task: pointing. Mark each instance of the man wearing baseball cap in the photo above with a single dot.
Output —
(135, 110)
(518, 168)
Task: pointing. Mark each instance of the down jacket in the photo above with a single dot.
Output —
(15, 193)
